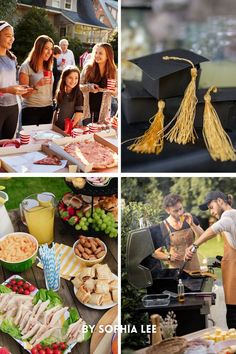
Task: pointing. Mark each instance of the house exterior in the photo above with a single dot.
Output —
(71, 18)
(107, 12)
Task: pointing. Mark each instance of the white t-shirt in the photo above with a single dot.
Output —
(69, 58)
(7, 78)
(227, 224)
(43, 96)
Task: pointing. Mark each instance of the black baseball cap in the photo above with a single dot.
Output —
(213, 195)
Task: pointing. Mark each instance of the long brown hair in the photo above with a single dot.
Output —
(8, 52)
(92, 70)
(62, 84)
(36, 52)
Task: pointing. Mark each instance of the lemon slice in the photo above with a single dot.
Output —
(2, 201)
(2, 188)
(45, 200)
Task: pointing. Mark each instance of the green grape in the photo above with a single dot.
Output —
(77, 227)
(96, 229)
(84, 228)
(88, 214)
(90, 220)
(103, 226)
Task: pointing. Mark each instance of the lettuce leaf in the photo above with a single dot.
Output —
(87, 334)
(48, 341)
(4, 289)
(45, 295)
(7, 326)
(73, 317)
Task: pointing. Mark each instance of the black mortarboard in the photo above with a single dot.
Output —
(167, 78)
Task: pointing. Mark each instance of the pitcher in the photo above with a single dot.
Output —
(37, 213)
(6, 226)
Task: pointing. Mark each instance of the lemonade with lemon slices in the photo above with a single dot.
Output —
(39, 216)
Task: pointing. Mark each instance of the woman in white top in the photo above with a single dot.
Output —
(36, 71)
(220, 206)
(8, 87)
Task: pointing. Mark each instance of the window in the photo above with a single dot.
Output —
(62, 32)
(56, 3)
(68, 4)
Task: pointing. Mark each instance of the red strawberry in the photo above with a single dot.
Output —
(71, 211)
(4, 350)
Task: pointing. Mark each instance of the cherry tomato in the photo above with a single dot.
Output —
(31, 288)
(20, 291)
(13, 282)
(38, 346)
(55, 346)
(8, 286)
(26, 292)
(26, 286)
(57, 351)
(34, 351)
(42, 351)
(20, 283)
(48, 350)
(14, 288)
(63, 346)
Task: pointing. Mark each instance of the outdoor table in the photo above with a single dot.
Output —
(67, 235)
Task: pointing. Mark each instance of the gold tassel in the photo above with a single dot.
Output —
(217, 141)
(152, 141)
(183, 131)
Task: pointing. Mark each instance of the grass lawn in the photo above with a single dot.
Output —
(18, 188)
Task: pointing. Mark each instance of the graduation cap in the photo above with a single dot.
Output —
(167, 78)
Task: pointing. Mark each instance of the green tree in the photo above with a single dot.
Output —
(32, 25)
(131, 297)
(113, 40)
(7, 8)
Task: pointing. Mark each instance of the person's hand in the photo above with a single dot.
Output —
(42, 82)
(18, 90)
(188, 218)
(176, 257)
(96, 88)
(188, 253)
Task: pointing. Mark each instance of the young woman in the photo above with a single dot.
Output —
(69, 98)
(97, 104)
(220, 206)
(8, 87)
(36, 72)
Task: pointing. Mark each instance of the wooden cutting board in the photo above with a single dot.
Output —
(107, 319)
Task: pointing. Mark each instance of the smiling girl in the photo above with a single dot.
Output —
(97, 100)
(8, 87)
(69, 98)
(36, 72)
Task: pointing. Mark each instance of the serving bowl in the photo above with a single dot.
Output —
(22, 265)
(89, 262)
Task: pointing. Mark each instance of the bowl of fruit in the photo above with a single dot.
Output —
(89, 250)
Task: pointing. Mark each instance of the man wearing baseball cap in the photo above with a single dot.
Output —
(220, 206)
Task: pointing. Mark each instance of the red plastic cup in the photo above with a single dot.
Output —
(47, 74)
(24, 137)
(111, 84)
(63, 61)
(93, 128)
(77, 132)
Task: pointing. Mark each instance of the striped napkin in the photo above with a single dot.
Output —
(70, 265)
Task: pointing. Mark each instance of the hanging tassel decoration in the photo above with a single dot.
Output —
(217, 141)
(152, 141)
(183, 131)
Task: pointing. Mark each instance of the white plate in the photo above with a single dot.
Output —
(97, 307)
(46, 135)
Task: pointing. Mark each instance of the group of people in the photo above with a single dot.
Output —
(49, 73)
(177, 238)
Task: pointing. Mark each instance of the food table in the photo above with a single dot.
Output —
(67, 235)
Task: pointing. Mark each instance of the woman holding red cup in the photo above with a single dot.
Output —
(36, 71)
(94, 80)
